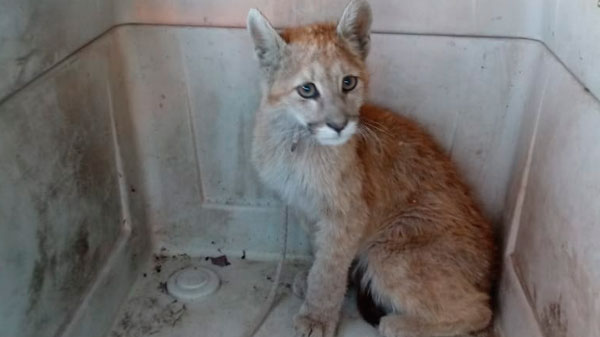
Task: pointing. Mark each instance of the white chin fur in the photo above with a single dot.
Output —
(327, 136)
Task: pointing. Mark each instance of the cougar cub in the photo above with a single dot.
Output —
(381, 192)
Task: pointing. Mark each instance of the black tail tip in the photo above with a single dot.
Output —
(368, 309)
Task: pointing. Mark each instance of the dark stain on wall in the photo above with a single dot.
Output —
(64, 177)
(45, 261)
(38, 274)
(552, 322)
(81, 263)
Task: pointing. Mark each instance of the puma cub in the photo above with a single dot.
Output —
(379, 189)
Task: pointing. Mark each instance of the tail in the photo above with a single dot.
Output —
(367, 307)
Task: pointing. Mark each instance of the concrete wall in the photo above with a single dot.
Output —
(35, 35)
(550, 280)
(69, 241)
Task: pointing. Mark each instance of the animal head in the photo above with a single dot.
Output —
(315, 75)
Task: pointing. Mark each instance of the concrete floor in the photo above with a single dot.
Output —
(150, 311)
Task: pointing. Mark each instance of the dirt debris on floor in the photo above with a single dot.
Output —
(162, 287)
(156, 316)
(220, 261)
(164, 256)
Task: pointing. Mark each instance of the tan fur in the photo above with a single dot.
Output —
(388, 196)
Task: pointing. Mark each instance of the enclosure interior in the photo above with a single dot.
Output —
(125, 131)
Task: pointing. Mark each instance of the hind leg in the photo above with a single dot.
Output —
(475, 318)
(301, 283)
(429, 293)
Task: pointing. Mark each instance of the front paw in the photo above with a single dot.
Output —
(306, 326)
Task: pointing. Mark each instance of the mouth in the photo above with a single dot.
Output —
(333, 141)
(329, 137)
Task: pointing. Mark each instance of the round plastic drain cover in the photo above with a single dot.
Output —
(192, 283)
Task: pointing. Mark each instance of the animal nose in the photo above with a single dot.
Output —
(339, 126)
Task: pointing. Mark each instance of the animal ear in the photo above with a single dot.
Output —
(268, 44)
(355, 26)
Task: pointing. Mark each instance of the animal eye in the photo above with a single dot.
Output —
(308, 90)
(349, 83)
